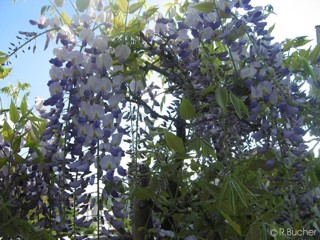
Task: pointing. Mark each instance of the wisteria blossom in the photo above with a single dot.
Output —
(157, 125)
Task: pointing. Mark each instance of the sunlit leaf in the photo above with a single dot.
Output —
(65, 18)
(123, 5)
(3, 59)
(150, 11)
(136, 6)
(24, 105)
(205, 7)
(135, 26)
(7, 131)
(2, 54)
(315, 54)
(118, 26)
(14, 113)
(4, 72)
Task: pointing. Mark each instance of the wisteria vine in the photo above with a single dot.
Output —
(234, 109)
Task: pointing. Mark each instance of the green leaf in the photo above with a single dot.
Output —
(45, 9)
(150, 11)
(253, 233)
(244, 108)
(82, 5)
(3, 161)
(16, 143)
(222, 98)
(174, 142)
(300, 41)
(207, 149)
(307, 68)
(14, 113)
(316, 211)
(123, 5)
(232, 223)
(270, 30)
(315, 225)
(18, 159)
(314, 54)
(135, 26)
(136, 6)
(65, 18)
(194, 165)
(186, 109)
(24, 105)
(3, 59)
(236, 102)
(142, 193)
(224, 188)
(7, 131)
(4, 72)
(207, 90)
(287, 45)
(236, 186)
(205, 7)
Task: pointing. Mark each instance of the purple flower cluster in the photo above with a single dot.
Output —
(246, 62)
(83, 129)
(223, 49)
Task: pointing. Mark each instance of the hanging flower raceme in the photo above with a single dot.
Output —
(83, 134)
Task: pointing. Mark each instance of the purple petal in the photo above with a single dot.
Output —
(118, 205)
(121, 171)
(107, 216)
(75, 184)
(84, 167)
(116, 224)
(117, 213)
(92, 178)
(79, 220)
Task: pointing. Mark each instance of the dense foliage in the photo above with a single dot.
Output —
(187, 124)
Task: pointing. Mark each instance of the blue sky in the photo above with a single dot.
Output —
(294, 18)
(27, 67)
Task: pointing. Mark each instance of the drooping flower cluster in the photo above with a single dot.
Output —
(84, 132)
